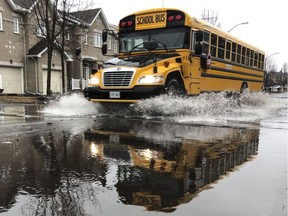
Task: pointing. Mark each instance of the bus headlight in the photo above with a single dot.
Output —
(94, 81)
(151, 79)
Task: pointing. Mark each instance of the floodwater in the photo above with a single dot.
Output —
(205, 155)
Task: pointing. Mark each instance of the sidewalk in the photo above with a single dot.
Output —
(21, 99)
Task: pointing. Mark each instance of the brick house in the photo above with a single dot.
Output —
(89, 41)
(12, 56)
(23, 56)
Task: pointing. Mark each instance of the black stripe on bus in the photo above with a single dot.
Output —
(236, 64)
(234, 71)
(228, 77)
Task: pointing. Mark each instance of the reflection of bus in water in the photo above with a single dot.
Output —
(164, 50)
(160, 173)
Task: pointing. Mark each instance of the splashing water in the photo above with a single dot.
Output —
(72, 105)
(207, 107)
(212, 107)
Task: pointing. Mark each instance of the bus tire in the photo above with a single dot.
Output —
(244, 87)
(174, 86)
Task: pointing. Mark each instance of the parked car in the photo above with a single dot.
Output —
(275, 88)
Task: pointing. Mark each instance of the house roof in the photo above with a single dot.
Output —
(88, 17)
(21, 5)
(24, 3)
(38, 49)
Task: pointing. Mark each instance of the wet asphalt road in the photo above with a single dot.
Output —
(113, 165)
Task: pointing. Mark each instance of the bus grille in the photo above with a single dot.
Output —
(117, 78)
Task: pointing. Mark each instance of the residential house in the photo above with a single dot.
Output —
(23, 56)
(89, 42)
(12, 58)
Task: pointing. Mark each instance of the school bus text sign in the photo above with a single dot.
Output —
(147, 21)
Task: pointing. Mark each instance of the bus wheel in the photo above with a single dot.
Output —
(244, 87)
(174, 86)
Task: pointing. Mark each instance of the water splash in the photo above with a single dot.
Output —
(71, 105)
(215, 108)
(211, 107)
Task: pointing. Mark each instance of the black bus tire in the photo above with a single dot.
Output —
(174, 86)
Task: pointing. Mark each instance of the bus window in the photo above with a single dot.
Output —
(206, 42)
(221, 47)
(233, 52)
(243, 55)
(239, 47)
(213, 47)
(228, 50)
(193, 40)
(247, 56)
(256, 59)
(262, 62)
(251, 57)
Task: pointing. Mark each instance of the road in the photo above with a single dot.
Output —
(208, 155)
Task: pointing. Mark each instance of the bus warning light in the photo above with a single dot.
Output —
(170, 18)
(130, 23)
(178, 17)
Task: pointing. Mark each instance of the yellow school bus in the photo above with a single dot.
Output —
(166, 50)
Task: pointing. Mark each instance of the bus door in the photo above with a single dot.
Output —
(193, 73)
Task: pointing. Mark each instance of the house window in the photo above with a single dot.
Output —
(16, 25)
(115, 46)
(97, 39)
(68, 36)
(41, 31)
(85, 37)
(109, 43)
(1, 21)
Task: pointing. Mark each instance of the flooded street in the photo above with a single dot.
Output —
(209, 155)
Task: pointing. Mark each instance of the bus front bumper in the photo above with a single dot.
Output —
(96, 94)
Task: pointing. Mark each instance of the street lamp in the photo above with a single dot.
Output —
(271, 55)
(244, 23)
(266, 76)
(268, 57)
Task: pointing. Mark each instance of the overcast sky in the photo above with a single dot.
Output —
(267, 28)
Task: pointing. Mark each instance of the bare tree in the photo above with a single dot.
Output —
(285, 67)
(270, 65)
(66, 25)
(52, 19)
(43, 22)
(211, 17)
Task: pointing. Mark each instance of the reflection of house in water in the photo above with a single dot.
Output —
(165, 171)
(48, 165)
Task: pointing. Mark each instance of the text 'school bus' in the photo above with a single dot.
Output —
(164, 50)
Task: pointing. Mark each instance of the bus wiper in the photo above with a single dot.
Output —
(164, 45)
(135, 48)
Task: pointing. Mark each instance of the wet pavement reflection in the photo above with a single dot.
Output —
(83, 166)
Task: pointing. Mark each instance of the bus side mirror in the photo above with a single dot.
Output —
(198, 48)
(199, 36)
(104, 49)
(104, 36)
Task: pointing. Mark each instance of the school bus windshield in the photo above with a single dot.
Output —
(167, 38)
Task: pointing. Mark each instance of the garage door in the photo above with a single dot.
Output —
(11, 80)
(56, 81)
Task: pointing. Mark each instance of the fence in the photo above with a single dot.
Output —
(76, 84)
